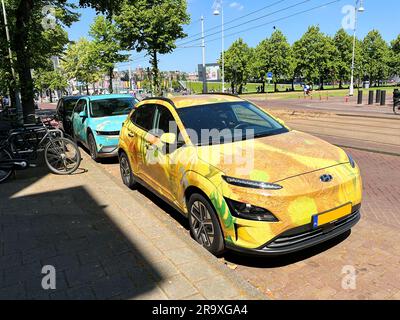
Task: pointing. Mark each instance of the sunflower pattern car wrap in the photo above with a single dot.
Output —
(294, 160)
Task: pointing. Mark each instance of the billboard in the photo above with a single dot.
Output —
(212, 72)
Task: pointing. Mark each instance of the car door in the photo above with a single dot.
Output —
(79, 122)
(158, 167)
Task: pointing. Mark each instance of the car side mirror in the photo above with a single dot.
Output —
(168, 138)
(83, 114)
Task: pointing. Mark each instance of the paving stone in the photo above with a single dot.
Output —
(217, 289)
(196, 271)
(117, 285)
(178, 287)
(84, 274)
(181, 256)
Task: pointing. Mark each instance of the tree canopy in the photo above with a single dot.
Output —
(152, 26)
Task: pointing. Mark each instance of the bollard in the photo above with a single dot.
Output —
(378, 96)
(360, 97)
(371, 97)
(383, 97)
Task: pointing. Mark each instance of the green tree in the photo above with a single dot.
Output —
(106, 46)
(316, 56)
(278, 56)
(395, 57)
(237, 65)
(258, 65)
(376, 54)
(344, 45)
(81, 64)
(152, 26)
(31, 40)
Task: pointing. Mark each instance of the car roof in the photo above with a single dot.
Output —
(198, 100)
(109, 96)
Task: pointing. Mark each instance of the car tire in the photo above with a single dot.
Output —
(92, 147)
(126, 171)
(204, 224)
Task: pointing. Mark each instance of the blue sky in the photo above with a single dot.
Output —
(379, 14)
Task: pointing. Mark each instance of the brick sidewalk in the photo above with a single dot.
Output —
(103, 243)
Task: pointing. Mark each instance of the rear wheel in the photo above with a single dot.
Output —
(126, 171)
(204, 224)
(62, 156)
(5, 173)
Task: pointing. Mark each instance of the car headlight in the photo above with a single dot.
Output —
(351, 160)
(250, 212)
(252, 184)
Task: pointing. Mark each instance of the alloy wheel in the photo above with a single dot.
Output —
(201, 221)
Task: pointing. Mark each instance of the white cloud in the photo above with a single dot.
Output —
(236, 5)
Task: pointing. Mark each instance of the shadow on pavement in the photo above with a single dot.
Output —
(70, 230)
(282, 261)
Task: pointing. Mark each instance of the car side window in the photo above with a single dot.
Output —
(143, 117)
(163, 121)
(79, 106)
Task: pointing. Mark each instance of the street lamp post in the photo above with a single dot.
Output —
(219, 10)
(358, 8)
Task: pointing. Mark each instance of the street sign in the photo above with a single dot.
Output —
(270, 75)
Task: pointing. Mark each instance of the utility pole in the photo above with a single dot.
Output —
(358, 8)
(203, 46)
(17, 99)
(219, 10)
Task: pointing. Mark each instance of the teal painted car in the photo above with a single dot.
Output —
(97, 122)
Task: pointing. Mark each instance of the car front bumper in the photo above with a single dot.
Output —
(108, 152)
(303, 237)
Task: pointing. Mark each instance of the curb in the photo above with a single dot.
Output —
(244, 286)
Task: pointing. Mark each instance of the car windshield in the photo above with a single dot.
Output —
(234, 121)
(112, 107)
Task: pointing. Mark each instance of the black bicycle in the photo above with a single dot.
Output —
(19, 148)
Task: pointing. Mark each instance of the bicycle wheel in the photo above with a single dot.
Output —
(5, 173)
(62, 156)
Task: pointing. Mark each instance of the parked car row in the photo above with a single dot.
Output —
(292, 191)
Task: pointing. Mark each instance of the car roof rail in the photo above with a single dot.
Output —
(160, 98)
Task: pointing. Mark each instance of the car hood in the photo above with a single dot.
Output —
(108, 123)
(274, 158)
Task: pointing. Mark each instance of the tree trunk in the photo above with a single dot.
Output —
(111, 75)
(321, 85)
(293, 84)
(340, 84)
(51, 96)
(275, 87)
(23, 17)
(156, 80)
(87, 89)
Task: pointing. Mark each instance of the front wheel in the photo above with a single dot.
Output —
(62, 156)
(204, 224)
(92, 147)
(126, 171)
(5, 173)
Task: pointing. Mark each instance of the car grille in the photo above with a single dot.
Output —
(303, 234)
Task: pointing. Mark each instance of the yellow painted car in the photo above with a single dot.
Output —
(244, 180)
